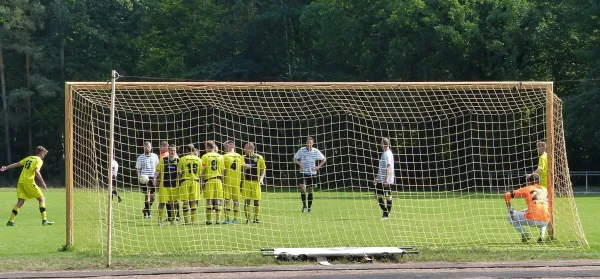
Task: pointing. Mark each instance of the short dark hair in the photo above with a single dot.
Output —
(310, 138)
(173, 146)
(251, 145)
(40, 149)
(189, 148)
(229, 142)
(533, 178)
(542, 143)
(147, 143)
(164, 143)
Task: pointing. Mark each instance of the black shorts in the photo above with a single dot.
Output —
(114, 182)
(383, 191)
(307, 179)
(148, 187)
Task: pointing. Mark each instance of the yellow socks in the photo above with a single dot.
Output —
(193, 212)
(14, 213)
(256, 211)
(43, 211)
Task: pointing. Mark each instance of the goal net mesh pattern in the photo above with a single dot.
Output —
(457, 149)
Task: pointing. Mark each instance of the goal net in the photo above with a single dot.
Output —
(457, 148)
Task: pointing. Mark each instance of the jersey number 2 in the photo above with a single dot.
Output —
(539, 197)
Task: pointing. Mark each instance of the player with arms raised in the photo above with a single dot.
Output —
(168, 190)
(385, 178)
(536, 214)
(189, 187)
(26, 188)
(146, 166)
(255, 171)
(232, 182)
(306, 158)
(211, 181)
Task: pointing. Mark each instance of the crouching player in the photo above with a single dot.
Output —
(168, 190)
(536, 214)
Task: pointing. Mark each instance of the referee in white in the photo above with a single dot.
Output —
(146, 165)
(306, 158)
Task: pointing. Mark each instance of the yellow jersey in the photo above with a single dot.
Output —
(189, 166)
(543, 165)
(213, 165)
(233, 168)
(29, 165)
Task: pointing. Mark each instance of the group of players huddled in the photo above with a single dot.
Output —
(222, 179)
(218, 179)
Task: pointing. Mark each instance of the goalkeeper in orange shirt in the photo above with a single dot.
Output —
(536, 214)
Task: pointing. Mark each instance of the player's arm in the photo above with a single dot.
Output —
(13, 165)
(40, 178)
(296, 161)
(262, 166)
(201, 174)
(138, 167)
(158, 170)
(322, 158)
(223, 169)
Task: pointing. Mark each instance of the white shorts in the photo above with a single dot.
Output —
(520, 218)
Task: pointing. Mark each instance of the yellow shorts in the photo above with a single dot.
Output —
(28, 191)
(168, 194)
(232, 190)
(251, 190)
(189, 190)
(213, 189)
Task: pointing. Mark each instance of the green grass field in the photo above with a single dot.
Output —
(340, 219)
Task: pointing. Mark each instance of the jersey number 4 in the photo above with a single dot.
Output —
(192, 168)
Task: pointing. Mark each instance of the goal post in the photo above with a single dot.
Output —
(457, 147)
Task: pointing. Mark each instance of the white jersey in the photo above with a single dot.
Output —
(115, 168)
(308, 159)
(387, 159)
(147, 164)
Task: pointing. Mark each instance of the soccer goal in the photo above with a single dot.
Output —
(457, 147)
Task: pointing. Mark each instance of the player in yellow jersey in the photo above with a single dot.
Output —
(232, 182)
(255, 170)
(189, 173)
(211, 181)
(542, 169)
(26, 187)
(168, 189)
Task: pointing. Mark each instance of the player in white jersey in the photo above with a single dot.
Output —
(146, 165)
(306, 158)
(385, 178)
(115, 171)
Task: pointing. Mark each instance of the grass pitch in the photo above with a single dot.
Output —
(339, 219)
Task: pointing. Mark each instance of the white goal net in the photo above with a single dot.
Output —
(457, 148)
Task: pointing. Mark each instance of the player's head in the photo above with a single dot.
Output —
(309, 142)
(196, 151)
(533, 178)
(164, 146)
(249, 149)
(172, 150)
(41, 151)
(210, 146)
(189, 149)
(228, 146)
(147, 147)
(541, 147)
(385, 143)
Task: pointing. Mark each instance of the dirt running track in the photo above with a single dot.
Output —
(565, 269)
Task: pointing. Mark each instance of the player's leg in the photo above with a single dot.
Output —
(256, 196)
(15, 212)
(517, 221)
(146, 191)
(388, 195)
(42, 206)
(218, 202)
(303, 193)
(227, 193)
(235, 196)
(169, 211)
(379, 194)
(115, 192)
(310, 197)
(152, 198)
(247, 210)
(163, 198)
(185, 196)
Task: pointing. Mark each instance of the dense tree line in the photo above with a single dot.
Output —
(44, 43)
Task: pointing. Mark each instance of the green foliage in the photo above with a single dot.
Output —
(300, 40)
